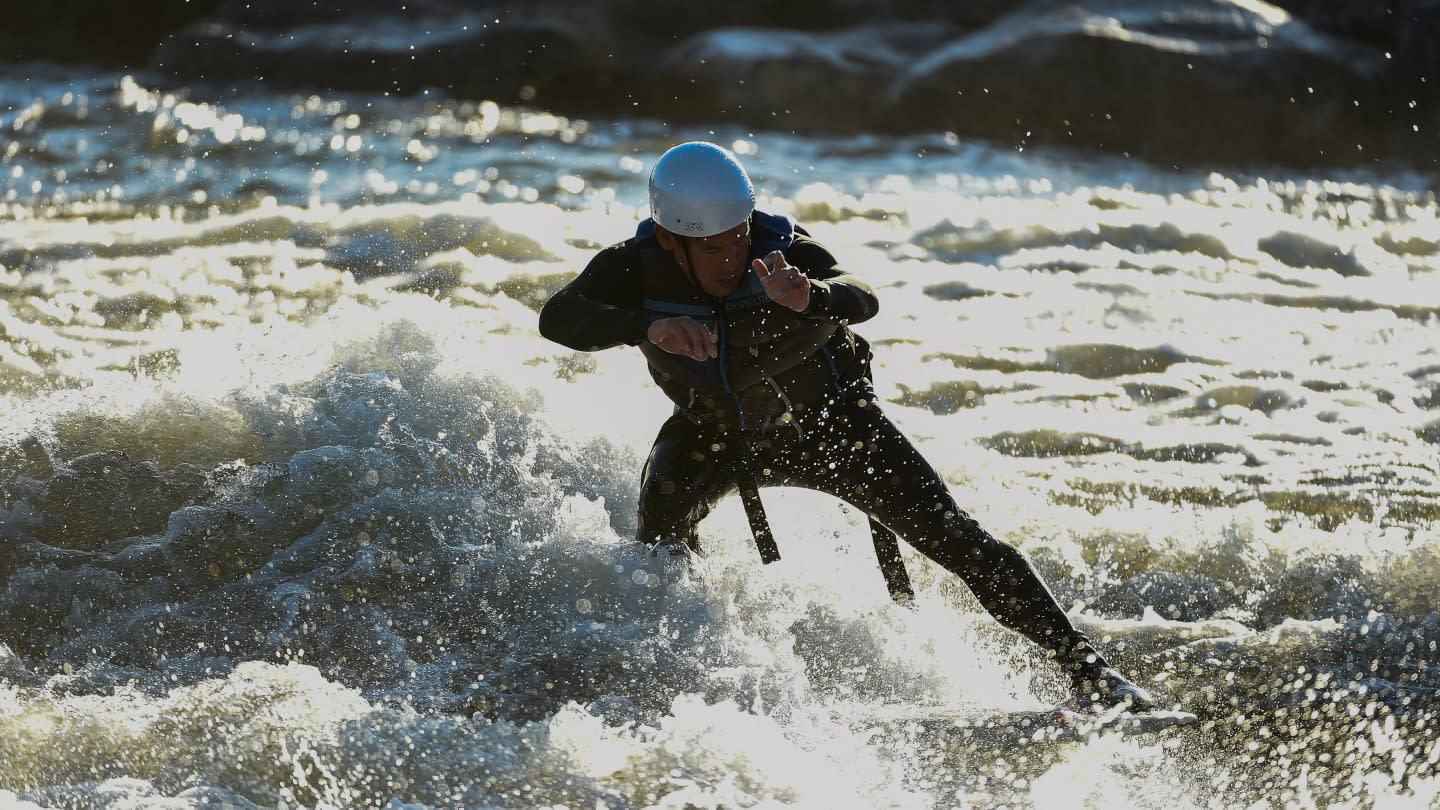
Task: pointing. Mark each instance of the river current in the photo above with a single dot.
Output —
(298, 509)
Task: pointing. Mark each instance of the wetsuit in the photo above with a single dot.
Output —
(812, 424)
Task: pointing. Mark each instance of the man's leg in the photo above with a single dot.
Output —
(857, 454)
(684, 478)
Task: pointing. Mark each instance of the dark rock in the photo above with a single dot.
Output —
(94, 30)
(789, 79)
(678, 21)
(1368, 20)
(1408, 29)
(284, 15)
(1218, 80)
(523, 61)
(1179, 81)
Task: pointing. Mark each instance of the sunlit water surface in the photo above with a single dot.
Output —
(311, 515)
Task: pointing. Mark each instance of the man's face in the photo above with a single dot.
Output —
(717, 262)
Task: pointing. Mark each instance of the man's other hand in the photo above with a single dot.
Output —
(684, 336)
(783, 282)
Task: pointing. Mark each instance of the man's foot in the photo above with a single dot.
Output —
(666, 548)
(672, 561)
(1106, 688)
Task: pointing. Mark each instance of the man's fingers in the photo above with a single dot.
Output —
(698, 340)
(685, 337)
(684, 348)
(774, 261)
(704, 344)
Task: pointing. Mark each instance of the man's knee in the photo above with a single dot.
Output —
(666, 514)
(949, 536)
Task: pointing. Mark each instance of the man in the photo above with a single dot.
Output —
(744, 320)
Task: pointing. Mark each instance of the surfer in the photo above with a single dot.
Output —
(745, 321)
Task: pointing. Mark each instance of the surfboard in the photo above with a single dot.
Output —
(1038, 726)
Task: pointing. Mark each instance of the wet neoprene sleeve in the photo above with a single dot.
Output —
(601, 307)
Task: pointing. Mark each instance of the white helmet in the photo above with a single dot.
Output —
(700, 189)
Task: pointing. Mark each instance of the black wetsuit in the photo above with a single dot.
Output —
(834, 438)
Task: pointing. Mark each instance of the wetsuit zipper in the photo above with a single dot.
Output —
(718, 304)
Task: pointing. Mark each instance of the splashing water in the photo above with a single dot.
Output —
(299, 510)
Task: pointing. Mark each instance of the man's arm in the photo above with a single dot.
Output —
(601, 307)
(834, 294)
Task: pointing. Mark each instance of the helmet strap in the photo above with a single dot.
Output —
(689, 263)
(684, 243)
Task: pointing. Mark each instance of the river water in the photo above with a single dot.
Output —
(299, 509)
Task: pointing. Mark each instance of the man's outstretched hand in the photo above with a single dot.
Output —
(783, 282)
(684, 336)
